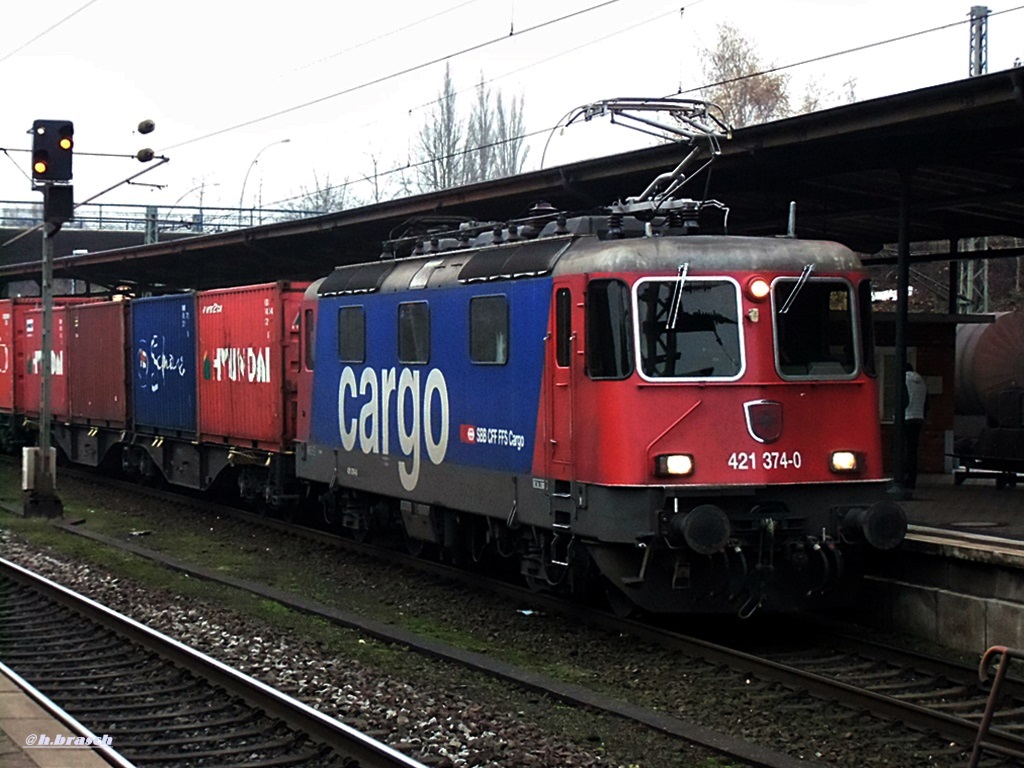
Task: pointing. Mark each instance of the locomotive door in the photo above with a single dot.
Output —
(560, 354)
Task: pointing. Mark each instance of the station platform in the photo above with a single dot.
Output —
(974, 503)
(28, 734)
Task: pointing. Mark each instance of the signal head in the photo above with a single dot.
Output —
(52, 150)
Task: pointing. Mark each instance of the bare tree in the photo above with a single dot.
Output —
(510, 152)
(493, 145)
(817, 97)
(322, 198)
(380, 181)
(480, 137)
(440, 142)
(732, 68)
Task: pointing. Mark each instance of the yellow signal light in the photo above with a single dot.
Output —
(65, 142)
(39, 166)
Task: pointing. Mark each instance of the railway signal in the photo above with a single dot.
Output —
(53, 144)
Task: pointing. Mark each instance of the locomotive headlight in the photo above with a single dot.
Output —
(758, 288)
(673, 465)
(844, 461)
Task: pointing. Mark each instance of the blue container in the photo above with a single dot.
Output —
(164, 364)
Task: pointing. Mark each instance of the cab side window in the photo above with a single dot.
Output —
(609, 330)
(563, 327)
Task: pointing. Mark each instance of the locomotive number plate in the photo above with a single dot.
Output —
(765, 460)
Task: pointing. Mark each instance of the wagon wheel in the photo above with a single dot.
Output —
(361, 535)
(7, 439)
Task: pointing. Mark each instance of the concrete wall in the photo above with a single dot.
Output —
(966, 600)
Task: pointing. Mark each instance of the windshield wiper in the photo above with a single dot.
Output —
(677, 297)
(801, 281)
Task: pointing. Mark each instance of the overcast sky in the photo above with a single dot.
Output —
(350, 84)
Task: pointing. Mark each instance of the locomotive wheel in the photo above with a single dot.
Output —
(477, 540)
(536, 583)
(620, 605)
(414, 547)
(329, 513)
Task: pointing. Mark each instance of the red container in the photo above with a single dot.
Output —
(7, 359)
(29, 354)
(96, 363)
(248, 363)
(14, 357)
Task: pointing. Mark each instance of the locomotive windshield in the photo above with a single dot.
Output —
(688, 328)
(814, 328)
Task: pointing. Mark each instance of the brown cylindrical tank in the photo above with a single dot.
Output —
(989, 362)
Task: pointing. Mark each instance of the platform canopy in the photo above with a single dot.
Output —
(959, 146)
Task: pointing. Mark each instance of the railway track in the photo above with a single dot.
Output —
(160, 702)
(881, 695)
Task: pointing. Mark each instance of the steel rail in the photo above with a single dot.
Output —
(104, 751)
(341, 738)
(913, 715)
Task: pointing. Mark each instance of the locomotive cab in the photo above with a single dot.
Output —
(740, 406)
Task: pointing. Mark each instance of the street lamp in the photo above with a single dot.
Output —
(241, 197)
(202, 189)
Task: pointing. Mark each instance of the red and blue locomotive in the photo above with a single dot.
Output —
(691, 419)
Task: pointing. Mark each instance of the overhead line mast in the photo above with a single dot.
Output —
(973, 273)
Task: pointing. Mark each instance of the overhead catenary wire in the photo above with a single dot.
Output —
(385, 35)
(522, 137)
(844, 52)
(391, 76)
(399, 168)
(45, 32)
(697, 89)
(561, 53)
